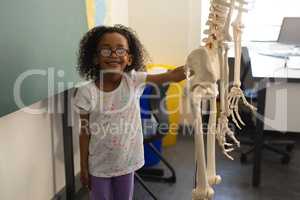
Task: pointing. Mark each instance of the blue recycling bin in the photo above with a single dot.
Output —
(150, 158)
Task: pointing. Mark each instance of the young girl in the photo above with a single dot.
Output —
(111, 138)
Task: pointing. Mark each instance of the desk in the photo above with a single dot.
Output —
(271, 74)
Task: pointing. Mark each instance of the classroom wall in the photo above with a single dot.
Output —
(169, 29)
(31, 153)
(31, 145)
(119, 12)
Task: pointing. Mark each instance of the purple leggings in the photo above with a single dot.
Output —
(114, 188)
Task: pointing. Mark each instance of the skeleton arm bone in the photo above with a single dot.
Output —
(236, 93)
(237, 31)
(222, 128)
(227, 35)
(221, 134)
(226, 78)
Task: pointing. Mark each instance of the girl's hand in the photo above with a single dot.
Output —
(85, 179)
(175, 75)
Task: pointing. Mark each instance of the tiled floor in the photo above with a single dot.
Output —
(279, 182)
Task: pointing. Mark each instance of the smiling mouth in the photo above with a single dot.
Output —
(113, 63)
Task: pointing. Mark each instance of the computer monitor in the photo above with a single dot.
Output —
(290, 31)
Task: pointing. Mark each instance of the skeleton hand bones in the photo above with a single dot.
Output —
(233, 98)
(222, 131)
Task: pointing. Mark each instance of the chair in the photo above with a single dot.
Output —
(155, 127)
(251, 95)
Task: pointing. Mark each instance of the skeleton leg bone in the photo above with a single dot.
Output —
(202, 191)
(211, 158)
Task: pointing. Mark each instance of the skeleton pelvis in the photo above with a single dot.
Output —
(204, 90)
(205, 64)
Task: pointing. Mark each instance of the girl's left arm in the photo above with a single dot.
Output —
(175, 75)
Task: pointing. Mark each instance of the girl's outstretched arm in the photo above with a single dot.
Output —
(175, 75)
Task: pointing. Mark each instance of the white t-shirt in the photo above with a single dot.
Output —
(116, 143)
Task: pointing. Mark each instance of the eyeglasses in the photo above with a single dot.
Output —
(106, 52)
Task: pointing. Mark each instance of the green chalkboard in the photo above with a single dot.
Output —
(38, 49)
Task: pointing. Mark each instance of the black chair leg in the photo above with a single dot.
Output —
(289, 144)
(273, 149)
(285, 153)
(244, 158)
(140, 180)
(158, 176)
(249, 151)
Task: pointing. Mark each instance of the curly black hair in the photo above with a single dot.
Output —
(88, 50)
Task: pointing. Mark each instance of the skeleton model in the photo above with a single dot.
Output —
(209, 64)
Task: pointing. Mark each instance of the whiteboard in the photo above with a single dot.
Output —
(38, 49)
